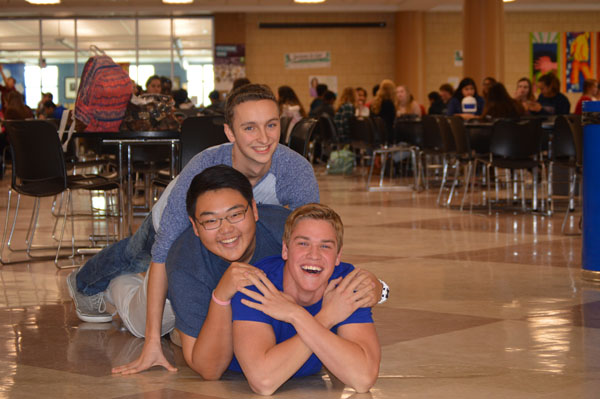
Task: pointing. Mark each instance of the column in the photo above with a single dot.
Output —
(483, 40)
(410, 53)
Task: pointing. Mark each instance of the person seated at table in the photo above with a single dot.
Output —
(446, 92)
(344, 113)
(550, 101)
(300, 314)
(406, 103)
(524, 94)
(590, 93)
(500, 104)
(289, 107)
(16, 108)
(384, 106)
(52, 111)
(153, 85)
(436, 104)
(321, 89)
(488, 82)
(204, 272)
(326, 106)
(362, 109)
(466, 88)
(279, 176)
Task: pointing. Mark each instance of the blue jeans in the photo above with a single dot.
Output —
(130, 255)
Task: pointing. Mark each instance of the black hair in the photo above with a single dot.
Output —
(180, 96)
(321, 89)
(239, 82)
(214, 95)
(434, 96)
(49, 104)
(151, 78)
(216, 178)
(375, 90)
(329, 96)
(249, 92)
(465, 82)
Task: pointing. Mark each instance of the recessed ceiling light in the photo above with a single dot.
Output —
(177, 1)
(43, 2)
(508, 1)
(309, 1)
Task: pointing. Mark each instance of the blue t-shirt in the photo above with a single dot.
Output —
(289, 182)
(193, 272)
(273, 268)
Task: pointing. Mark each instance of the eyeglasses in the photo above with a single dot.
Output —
(233, 218)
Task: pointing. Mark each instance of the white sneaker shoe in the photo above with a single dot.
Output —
(91, 309)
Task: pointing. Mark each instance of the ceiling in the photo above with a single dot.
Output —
(155, 7)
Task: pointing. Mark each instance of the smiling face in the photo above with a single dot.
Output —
(255, 135)
(233, 242)
(311, 255)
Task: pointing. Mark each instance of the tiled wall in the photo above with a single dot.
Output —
(363, 57)
(359, 56)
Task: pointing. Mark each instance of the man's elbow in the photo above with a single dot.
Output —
(208, 373)
(365, 382)
(263, 386)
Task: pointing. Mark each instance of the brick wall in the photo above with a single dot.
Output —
(359, 56)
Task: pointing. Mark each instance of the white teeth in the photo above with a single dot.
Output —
(229, 241)
(313, 269)
(262, 148)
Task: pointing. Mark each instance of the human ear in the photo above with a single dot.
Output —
(229, 133)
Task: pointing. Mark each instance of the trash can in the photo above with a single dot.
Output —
(590, 251)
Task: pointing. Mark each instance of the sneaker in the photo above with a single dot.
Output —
(91, 309)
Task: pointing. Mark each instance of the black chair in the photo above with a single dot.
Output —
(437, 143)
(301, 136)
(562, 154)
(39, 171)
(197, 134)
(284, 124)
(515, 145)
(575, 168)
(327, 138)
(463, 156)
(362, 136)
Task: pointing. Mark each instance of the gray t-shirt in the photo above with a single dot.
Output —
(193, 272)
(289, 182)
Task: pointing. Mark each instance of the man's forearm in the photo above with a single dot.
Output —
(156, 296)
(355, 363)
(213, 349)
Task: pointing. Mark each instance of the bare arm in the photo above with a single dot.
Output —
(211, 352)
(2, 73)
(352, 356)
(152, 354)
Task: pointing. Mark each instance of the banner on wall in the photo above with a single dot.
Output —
(313, 59)
(579, 60)
(544, 54)
(230, 64)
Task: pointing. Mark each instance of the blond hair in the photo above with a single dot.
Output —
(387, 91)
(315, 212)
(348, 96)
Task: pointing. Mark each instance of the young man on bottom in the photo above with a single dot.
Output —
(305, 308)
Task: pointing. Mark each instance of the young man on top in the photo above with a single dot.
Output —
(305, 309)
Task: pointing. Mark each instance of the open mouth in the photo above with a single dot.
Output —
(262, 149)
(229, 240)
(312, 269)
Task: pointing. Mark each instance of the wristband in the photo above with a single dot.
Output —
(220, 302)
(385, 292)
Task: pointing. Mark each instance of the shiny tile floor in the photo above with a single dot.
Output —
(481, 306)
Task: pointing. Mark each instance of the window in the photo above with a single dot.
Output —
(201, 81)
(140, 75)
(38, 81)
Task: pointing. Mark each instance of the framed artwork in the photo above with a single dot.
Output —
(71, 88)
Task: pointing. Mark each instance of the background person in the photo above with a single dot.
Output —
(590, 93)
(524, 94)
(466, 88)
(551, 101)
